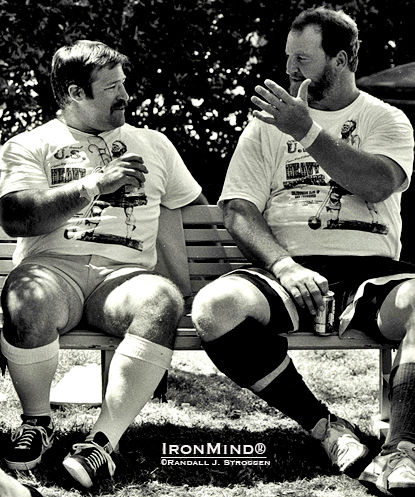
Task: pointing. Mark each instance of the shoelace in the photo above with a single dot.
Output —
(335, 449)
(97, 456)
(25, 435)
(395, 457)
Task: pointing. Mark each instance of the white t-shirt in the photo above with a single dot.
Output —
(121, 226)
(308, 213)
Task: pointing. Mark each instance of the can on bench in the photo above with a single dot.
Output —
(324, 319)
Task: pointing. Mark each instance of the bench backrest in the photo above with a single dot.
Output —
(210, 249)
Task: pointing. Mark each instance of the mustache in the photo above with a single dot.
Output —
(121, 105)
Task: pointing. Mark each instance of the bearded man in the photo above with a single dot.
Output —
(282, 172)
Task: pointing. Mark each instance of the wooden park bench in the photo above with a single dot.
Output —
(210, 252)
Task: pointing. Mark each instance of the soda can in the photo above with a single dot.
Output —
(324, 319)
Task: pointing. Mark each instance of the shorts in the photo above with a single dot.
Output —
(360, 285)
(84, 273)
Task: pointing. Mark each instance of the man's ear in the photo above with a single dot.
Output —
(342, 60)
(75, 92)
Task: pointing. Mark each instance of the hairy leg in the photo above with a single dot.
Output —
(225, 303)
(396, 321)
(233, 317)
(145, 309)
(38, 305)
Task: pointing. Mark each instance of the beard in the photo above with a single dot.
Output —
(319, 87)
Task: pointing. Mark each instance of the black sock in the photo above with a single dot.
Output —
(402, 397)
(254, 356)
(290, 395)
(44, 421)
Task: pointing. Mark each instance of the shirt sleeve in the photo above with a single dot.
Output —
(392, 136)
(21, 167)
(249, 175)
(181, 188)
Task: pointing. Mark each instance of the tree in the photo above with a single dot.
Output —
(195, 63)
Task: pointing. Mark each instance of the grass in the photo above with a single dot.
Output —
(204, 407)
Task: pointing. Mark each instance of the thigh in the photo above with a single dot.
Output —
(134, 300)
(226, 302)
(397, 312)
(36, 299)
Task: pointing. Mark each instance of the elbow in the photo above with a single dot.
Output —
(381, 193)
(10, 227)
(378, 196)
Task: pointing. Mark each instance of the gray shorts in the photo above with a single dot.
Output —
(84, 273)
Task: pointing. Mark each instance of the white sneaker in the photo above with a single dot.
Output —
(340, 442)
(90, 461)
(392, 474)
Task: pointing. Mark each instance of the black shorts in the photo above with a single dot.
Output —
(360, 285)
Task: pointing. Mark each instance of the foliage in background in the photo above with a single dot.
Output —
(195, 63)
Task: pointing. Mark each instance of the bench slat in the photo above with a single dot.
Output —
(221, 235)
(6, 266)
(202, 214)
(222, 252)
(213, 268)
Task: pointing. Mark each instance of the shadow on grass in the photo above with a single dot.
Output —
(290, 453)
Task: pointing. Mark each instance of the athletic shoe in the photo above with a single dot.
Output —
(340, 442)
(90, 461)
(392, 474)
(29, 442)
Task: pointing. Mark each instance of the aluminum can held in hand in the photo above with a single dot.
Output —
(324, 319)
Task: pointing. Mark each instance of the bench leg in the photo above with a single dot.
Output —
(106, 358)
(161, 391)
(385, 366)
(380, 423)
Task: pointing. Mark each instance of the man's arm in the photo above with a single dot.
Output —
(38, 212)
(372, 177)
(255, 240)
(200, 200)
(34, 213)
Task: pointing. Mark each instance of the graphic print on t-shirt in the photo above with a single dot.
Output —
(328, 215)
(72, 161)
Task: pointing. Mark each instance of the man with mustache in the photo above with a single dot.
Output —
(272, 188)
(52, 180)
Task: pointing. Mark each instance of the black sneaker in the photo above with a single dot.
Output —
(90, 461)
(29, 442)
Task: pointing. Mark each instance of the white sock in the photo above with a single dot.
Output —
(136, 369)
(32, 372)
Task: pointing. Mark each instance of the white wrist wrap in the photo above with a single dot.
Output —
(88, 188)
(280, 264)
(311, 136)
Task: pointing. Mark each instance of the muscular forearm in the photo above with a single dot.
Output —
(252, 234)
(33, 213)
(372, 177)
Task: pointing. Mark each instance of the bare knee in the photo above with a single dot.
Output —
(35, 307)
(396, 318)
(225, 303)
(148, 305)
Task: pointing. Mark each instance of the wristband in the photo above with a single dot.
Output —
(89, 189)
(280, 264)
(311, 135)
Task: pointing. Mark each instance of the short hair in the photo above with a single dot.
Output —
(338, 32)
(77, 64)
